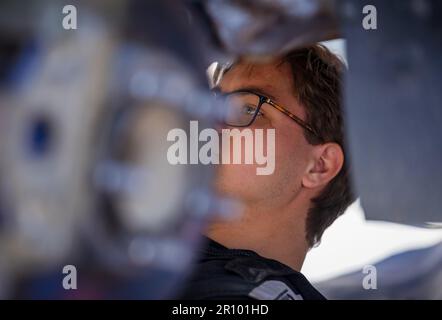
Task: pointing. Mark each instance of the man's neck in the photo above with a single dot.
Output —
(274, 235)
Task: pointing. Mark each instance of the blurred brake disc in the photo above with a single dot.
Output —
(85, 179)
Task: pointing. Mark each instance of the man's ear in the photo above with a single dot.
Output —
(327, 160)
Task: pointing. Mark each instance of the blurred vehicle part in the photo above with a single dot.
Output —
(393, 109)
(267, 28)
(397, 277)
(84, 177)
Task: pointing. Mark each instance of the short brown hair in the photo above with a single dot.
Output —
(317, 75)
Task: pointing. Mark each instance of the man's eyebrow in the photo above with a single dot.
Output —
(257, 90)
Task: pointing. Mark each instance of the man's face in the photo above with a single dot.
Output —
(292, 151)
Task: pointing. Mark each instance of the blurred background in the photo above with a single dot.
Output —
(353, 242)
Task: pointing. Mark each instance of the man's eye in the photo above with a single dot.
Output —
(248, 109)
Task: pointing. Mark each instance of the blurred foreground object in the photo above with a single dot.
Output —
(269, 27)
(84, 175)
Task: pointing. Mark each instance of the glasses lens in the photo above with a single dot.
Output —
(241, 108)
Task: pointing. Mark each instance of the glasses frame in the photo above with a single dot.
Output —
(263, 99)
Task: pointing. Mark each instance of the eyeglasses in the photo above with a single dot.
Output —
(243, 108)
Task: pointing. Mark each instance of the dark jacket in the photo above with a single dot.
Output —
(223, 273)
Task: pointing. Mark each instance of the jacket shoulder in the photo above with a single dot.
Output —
(245, 278)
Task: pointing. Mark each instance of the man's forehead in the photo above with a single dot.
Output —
(274, 80)
(270, 77)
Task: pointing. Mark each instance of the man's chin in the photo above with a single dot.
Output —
(237, 181)
(232, 189)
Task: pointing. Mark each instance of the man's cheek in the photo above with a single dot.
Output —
(265, 152)
(232, 179)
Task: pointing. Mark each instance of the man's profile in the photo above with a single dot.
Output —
(260, 254)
